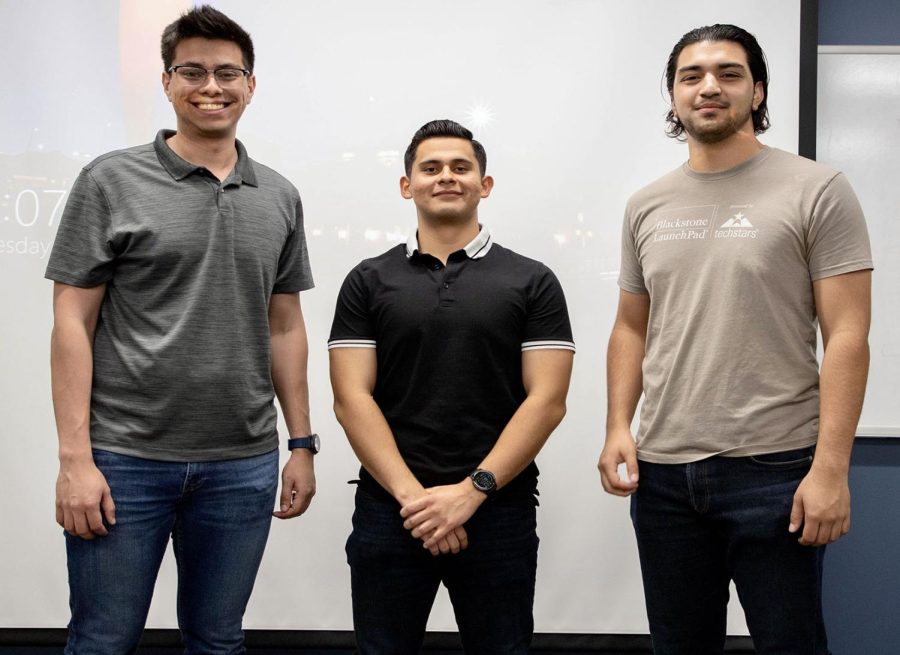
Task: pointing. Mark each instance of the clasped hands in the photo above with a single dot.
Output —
(437, 516)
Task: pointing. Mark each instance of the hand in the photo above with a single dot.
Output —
(618, 449)
(298, 484)
(822, 507)
(456, 540)
(437, 513)
(83, 500)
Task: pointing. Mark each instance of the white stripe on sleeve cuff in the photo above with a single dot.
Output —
(548, 344)
(351, 343)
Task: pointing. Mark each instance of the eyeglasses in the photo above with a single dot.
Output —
(197, 75)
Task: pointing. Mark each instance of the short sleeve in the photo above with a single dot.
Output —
(352, 326)
(294, 273)
(631, 275)
(82, 253)
(547, 324)
(837, 238)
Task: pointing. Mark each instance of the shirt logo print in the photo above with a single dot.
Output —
(738, 220)
(736, 227)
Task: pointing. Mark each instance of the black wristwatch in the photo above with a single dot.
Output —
(311, 443)
(484, 481)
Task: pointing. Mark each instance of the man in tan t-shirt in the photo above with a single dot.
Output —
(729, 264)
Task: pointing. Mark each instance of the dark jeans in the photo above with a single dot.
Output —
(702, 524)
(394, 579)
(218, 515)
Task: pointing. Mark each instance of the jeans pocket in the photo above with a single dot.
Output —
(787, 459)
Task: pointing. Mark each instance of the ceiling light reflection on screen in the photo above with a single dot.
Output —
(388, 157)
(479, 116)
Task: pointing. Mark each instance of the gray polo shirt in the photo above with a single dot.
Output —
(182, 357)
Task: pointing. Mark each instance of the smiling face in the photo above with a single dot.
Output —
(445, 182)
(208, 110)
(713, 93)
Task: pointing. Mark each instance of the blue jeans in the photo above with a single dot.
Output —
(394, 579)
(702, 524)
(218, 515)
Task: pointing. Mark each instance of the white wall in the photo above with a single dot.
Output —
(858, 128)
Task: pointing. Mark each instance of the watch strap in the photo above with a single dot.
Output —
(310, 442)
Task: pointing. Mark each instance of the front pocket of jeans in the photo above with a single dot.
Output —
(784, 460)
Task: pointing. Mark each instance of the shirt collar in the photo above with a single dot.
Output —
(475, 249)
(179, 169)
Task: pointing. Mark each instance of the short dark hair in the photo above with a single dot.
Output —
(756, 59)
(445, 127)
(207, 23)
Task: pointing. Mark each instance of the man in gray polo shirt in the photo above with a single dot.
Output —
(729, 265)
(177, 318)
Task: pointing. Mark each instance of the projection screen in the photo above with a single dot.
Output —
(567, 98)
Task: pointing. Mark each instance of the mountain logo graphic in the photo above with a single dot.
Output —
(738, 220)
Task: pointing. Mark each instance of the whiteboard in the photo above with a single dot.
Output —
(858, 133)
(567, 99)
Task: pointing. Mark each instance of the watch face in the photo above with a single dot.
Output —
(314, 443)
(484, 481)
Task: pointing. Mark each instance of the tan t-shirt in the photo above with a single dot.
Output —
(728, 260)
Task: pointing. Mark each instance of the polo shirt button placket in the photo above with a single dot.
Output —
(445, 292)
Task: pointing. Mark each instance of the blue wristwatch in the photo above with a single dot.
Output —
(311, 443)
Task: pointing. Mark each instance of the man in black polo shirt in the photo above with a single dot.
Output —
(177, 268)
(450, 362)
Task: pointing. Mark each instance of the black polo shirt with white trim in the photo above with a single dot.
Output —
(449, 343)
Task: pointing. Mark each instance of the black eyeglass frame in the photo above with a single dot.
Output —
(214, 72)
